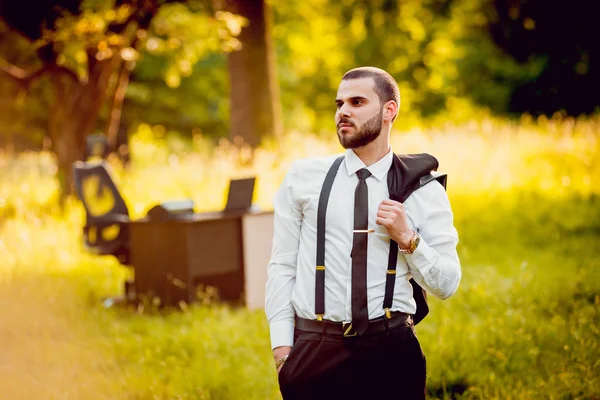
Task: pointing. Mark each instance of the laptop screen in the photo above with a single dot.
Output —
(240, 194)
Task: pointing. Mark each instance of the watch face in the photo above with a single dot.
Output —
(416, 242)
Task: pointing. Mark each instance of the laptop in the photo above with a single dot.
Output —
(239, 197)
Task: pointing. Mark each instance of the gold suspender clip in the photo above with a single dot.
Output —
(388, 313)
(319, 317)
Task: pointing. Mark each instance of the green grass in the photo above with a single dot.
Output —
(524, 323)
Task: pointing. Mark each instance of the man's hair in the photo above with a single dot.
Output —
(385, 86)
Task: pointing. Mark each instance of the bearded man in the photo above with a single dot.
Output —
(338, 298)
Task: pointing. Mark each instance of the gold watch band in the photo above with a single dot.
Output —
(280, 362)
(413, 244)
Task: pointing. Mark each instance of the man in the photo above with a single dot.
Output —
(342, 343)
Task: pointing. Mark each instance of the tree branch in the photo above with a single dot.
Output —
(116, 108)
(12, 70)
(25, 78)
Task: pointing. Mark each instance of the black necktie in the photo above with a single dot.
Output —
(360, 311)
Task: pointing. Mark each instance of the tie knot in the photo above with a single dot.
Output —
(363, 173)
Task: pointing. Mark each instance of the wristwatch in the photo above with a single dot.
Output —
(413, 244)
(280, 362)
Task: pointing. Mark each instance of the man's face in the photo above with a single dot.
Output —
(359, 113)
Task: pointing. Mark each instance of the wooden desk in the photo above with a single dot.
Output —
(226, 250)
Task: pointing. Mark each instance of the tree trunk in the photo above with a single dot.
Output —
(74, 114)
(254, 90)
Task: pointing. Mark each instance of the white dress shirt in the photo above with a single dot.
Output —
(290, 286)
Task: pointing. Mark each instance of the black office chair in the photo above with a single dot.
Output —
(106, 231)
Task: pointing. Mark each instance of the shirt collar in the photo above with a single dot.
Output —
(378, 170)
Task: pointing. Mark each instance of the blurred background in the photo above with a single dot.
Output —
(189, 94)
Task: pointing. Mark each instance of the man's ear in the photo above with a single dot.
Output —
(390, 109)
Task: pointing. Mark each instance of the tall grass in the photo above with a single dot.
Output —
(523, 325)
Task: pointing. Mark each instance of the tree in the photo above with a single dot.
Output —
(88, 48)
(254, 91)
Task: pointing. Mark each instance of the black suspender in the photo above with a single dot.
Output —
(390, 280)
(418, 293)
(320, 273)
(321, 213)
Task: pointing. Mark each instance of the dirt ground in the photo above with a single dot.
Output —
(43, 355)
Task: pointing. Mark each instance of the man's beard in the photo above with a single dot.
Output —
(367, 133)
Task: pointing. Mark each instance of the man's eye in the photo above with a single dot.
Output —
(357, 102)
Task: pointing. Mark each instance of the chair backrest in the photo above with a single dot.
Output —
(97, 190)
(107, 217)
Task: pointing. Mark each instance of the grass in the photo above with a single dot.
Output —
(524, 324)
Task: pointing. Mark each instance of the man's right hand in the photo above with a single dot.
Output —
(279, 352)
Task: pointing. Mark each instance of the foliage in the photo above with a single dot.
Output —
(184, 44)
(181, 31)
(523, 325)
(96, 44)
(450, 57)
(562, 41)
(437, 50)
(23, 122)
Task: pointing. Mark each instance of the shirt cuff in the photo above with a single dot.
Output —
(282, 334)
(423, 258)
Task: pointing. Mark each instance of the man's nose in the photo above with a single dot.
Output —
(344, 111)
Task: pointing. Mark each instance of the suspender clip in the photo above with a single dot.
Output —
(388, 313)
(319, 317)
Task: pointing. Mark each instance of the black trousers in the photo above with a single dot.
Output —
(323, 366)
